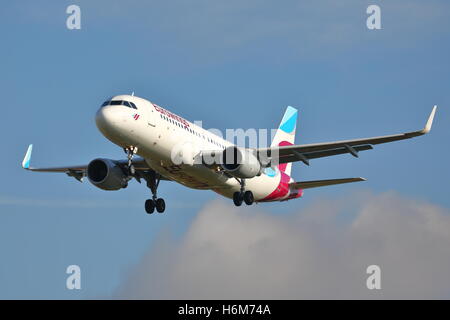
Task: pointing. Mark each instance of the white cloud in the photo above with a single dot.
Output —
(319, 252)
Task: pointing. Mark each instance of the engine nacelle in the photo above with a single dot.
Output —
(240, 163)
(106, 174)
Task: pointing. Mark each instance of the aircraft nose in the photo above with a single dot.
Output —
(106, 118)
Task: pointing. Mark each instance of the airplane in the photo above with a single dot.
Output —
(163, 146)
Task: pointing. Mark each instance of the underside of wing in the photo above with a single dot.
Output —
(322, 183)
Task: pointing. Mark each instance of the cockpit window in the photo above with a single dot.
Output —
(119, 103)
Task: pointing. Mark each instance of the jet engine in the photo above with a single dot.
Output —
(240, 163)
(106, 174)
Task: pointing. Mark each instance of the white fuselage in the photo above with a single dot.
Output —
(158, 134)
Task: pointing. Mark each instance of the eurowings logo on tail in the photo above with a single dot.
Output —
(285, 135)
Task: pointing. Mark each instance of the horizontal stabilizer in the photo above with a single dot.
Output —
(322, 183)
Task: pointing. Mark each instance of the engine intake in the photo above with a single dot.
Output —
(106, 174)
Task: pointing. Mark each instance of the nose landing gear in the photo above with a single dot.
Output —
(130, 151)
(242, 195)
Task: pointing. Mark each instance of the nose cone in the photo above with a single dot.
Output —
(105, 119)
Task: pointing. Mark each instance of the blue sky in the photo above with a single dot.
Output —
(228, 63)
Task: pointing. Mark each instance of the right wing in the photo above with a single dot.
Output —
(79, 172)
(322, 183)
(305, 152)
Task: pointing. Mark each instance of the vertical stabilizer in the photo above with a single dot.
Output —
(285, 135)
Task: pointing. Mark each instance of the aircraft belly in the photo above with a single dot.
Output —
(156, 147)
(201, 177)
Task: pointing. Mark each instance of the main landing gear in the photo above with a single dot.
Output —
(152, 179)
(242, 195)
(154, 203)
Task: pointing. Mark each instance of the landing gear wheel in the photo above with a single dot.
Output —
(238, 198)
(149, 206)
(160, 205)
(132, 170)
(248, 198)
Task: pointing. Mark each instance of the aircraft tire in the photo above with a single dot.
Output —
(149, 206)
(248, 198)
(238, 198)
(160, 205)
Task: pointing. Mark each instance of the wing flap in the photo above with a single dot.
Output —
(322, 183)
(320, 154)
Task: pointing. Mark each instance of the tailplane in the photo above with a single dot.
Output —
(322, 183)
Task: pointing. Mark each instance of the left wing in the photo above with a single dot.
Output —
(79, 172)
(305, 152)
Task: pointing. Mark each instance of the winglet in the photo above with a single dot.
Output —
(429, 121)
(27, 158)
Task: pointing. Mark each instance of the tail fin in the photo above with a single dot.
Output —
(285, 135)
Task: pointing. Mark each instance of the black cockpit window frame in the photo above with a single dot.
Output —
(125, 103)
